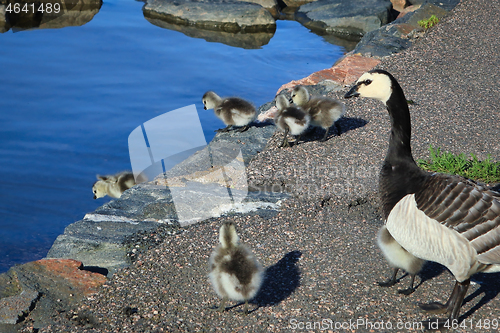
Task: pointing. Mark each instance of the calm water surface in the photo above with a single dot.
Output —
(70, 97)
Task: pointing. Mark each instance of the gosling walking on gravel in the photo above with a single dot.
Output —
(233, 111)
(235, 273)
(324, 111)
(290, 119)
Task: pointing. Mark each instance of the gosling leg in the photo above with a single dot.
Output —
(245, 311)
(223, 130)
(410, 289)
(285, 143)
(222, 306)
(326, 134)
(244, 128)
(392, 280)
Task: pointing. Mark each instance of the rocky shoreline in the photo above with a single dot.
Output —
(113, 237)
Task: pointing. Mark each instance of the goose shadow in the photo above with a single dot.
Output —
(489, 286)
(280, 280)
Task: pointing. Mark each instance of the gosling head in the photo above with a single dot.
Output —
(300, 95)
(375, 84)
(99, 189)
(210, 100)
(282, 103)
(227, 235)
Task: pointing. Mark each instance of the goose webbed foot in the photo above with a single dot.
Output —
(434, 307)
(392, 280)
(244, 128)
(224, 130)
(452, 308)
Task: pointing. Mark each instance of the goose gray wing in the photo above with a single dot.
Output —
(469, 208)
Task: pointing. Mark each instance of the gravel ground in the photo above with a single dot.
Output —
(319, 252)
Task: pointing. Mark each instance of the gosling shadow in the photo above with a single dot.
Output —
(345, 124)
(280, 280)
(430, 271)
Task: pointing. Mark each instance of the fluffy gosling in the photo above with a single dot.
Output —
(324, 111)
(290, 119)
(235, 273)
(398, 258)
(233, 111)
(113, 185)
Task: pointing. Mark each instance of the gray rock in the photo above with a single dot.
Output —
(210, 183)
(243, 40)
(15, 307)
(4, 21)
(70, 13)
(343, 17)
(271, 5)
(397, 36)
(216, 15)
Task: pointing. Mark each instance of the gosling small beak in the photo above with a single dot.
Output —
(95, 197)
(353, 92)
(204, 107)
(290, 100)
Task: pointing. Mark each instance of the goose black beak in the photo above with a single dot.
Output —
(95, 197)
(290, 100)
(353, 92)
(204, 108)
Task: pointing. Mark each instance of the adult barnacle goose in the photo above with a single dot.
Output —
(235, 273)
(436, 217)
(233, 111)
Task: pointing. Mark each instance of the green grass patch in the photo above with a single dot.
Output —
(467, 166)
(429, 23)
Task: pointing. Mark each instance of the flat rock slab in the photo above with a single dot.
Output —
(247, 41)
(344, 17)
(229, 16)
(15, 307)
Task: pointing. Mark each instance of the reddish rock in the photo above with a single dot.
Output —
(345, 72)
(407, 10)
(70, 270)
(399, 5)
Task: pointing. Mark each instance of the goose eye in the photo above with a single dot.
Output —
(367, 82)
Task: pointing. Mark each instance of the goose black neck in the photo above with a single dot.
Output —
(399, 142)
(400, 175)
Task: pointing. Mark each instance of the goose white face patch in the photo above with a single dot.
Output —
(375, 85)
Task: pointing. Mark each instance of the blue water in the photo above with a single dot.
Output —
(70, 97)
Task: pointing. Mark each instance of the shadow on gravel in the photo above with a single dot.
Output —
(280, 280)
(489, 286)
(346, 124)
(430, 271)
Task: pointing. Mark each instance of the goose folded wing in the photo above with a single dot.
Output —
(466, 207)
